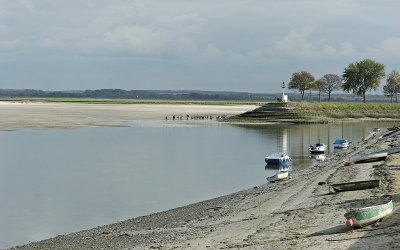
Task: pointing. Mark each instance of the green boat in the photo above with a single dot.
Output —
(364, 216)
(357, 185)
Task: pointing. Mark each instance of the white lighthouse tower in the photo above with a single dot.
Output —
(284, 97)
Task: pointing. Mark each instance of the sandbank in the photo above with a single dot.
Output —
(73, 115)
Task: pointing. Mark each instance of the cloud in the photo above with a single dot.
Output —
(138, 39)
(212, 51)
(302, 43)
(391, 46)
(26, 4)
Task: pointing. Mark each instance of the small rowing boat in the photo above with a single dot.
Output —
(371, 157)
(356, 185)
(389, 151)
(361, 217)
(389, 135)
(278, 176)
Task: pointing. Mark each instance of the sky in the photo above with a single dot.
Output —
(235, 45)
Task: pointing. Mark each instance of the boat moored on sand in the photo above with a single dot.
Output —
(318, 148)
(341, 143)
(371, 157)
(361, 217)
(356, 185)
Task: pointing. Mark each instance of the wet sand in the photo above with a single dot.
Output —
(72, 115)
(293, 214)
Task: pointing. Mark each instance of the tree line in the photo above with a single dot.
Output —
(359, 78)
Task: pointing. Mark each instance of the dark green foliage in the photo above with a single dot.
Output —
(392, 87)
(302, 81)
(362, 76)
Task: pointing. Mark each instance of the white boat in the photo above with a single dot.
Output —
(371, 157)
(278, 176)
(277, 158)
(341, 143)
(318, 148)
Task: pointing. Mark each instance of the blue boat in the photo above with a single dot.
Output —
(341, 143)
(277, 158)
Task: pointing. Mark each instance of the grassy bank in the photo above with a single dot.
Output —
(305, 112)
(125, 101)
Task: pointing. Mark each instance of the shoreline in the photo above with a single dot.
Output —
(297, 213)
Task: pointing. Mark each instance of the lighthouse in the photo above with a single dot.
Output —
(284, 97)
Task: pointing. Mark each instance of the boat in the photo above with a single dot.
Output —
(389, 151)
(357, 185)
(318, 148)
(278, 176)
(393, 128)
(371, 157)
(364, 216)
(389, 135)
(341, 143)
(277, 158)
(376, 130)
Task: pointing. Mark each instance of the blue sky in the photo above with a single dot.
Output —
(233, 45)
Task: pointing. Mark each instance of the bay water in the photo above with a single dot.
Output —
(60, 181)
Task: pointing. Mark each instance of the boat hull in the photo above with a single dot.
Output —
(365, 158)
(368, 215)
(389, 135)
(357, 185)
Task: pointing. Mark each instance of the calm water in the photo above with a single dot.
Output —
(59, 181)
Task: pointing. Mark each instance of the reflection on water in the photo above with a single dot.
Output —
(273, 169)
(58, 181)
(318, 157)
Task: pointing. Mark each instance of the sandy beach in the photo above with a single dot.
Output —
(72, 115)
(293, 214)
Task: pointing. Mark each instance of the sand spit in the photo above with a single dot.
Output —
(72, 115)
(293, 214)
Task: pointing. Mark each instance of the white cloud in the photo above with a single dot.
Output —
(138, 39)
(304, 43)
(212, 51)
(10, 44)
(391, 46)
(347, 49)
(26, 4)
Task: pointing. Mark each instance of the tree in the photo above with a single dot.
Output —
(392, 87)
(320, 87)
(331, 82)
(302, 81)
(363, 76)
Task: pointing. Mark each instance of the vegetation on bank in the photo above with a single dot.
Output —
(127, 101)
(358, 78)
(319, 112)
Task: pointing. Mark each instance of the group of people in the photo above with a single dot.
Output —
(194, 117)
